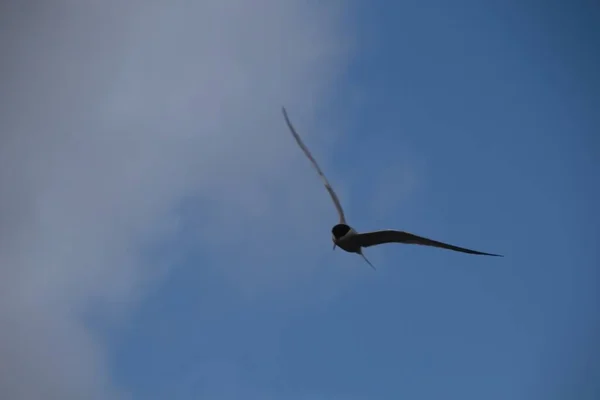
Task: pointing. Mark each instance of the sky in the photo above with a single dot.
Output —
(162, 236)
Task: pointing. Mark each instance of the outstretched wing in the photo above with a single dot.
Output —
(390, 236)
(334, 197)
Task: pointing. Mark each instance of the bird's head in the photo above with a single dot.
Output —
(338, 232)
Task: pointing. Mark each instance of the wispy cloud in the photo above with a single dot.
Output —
(115, 113)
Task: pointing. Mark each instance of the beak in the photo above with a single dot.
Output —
(334, 246)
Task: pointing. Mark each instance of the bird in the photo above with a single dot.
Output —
(350, 240)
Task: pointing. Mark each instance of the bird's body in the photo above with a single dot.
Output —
(348, 239)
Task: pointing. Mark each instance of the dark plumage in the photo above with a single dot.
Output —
(350, 240)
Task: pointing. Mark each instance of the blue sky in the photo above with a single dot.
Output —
(182, 242)
(487, 113)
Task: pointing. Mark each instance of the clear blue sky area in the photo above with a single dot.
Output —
(492, 112)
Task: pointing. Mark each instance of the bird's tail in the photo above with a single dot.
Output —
(368, 262)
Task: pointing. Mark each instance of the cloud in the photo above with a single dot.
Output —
(114, 116)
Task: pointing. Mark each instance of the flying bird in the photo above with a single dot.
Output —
(348, 239)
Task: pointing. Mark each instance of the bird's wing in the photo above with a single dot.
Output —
(390, 236)
(334, 197)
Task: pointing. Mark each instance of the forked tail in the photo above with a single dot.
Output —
(368, 262)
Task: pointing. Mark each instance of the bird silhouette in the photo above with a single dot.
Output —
(348, 239)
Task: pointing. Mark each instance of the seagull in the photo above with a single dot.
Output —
(348, 239)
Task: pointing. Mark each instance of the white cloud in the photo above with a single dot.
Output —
(112, 114)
